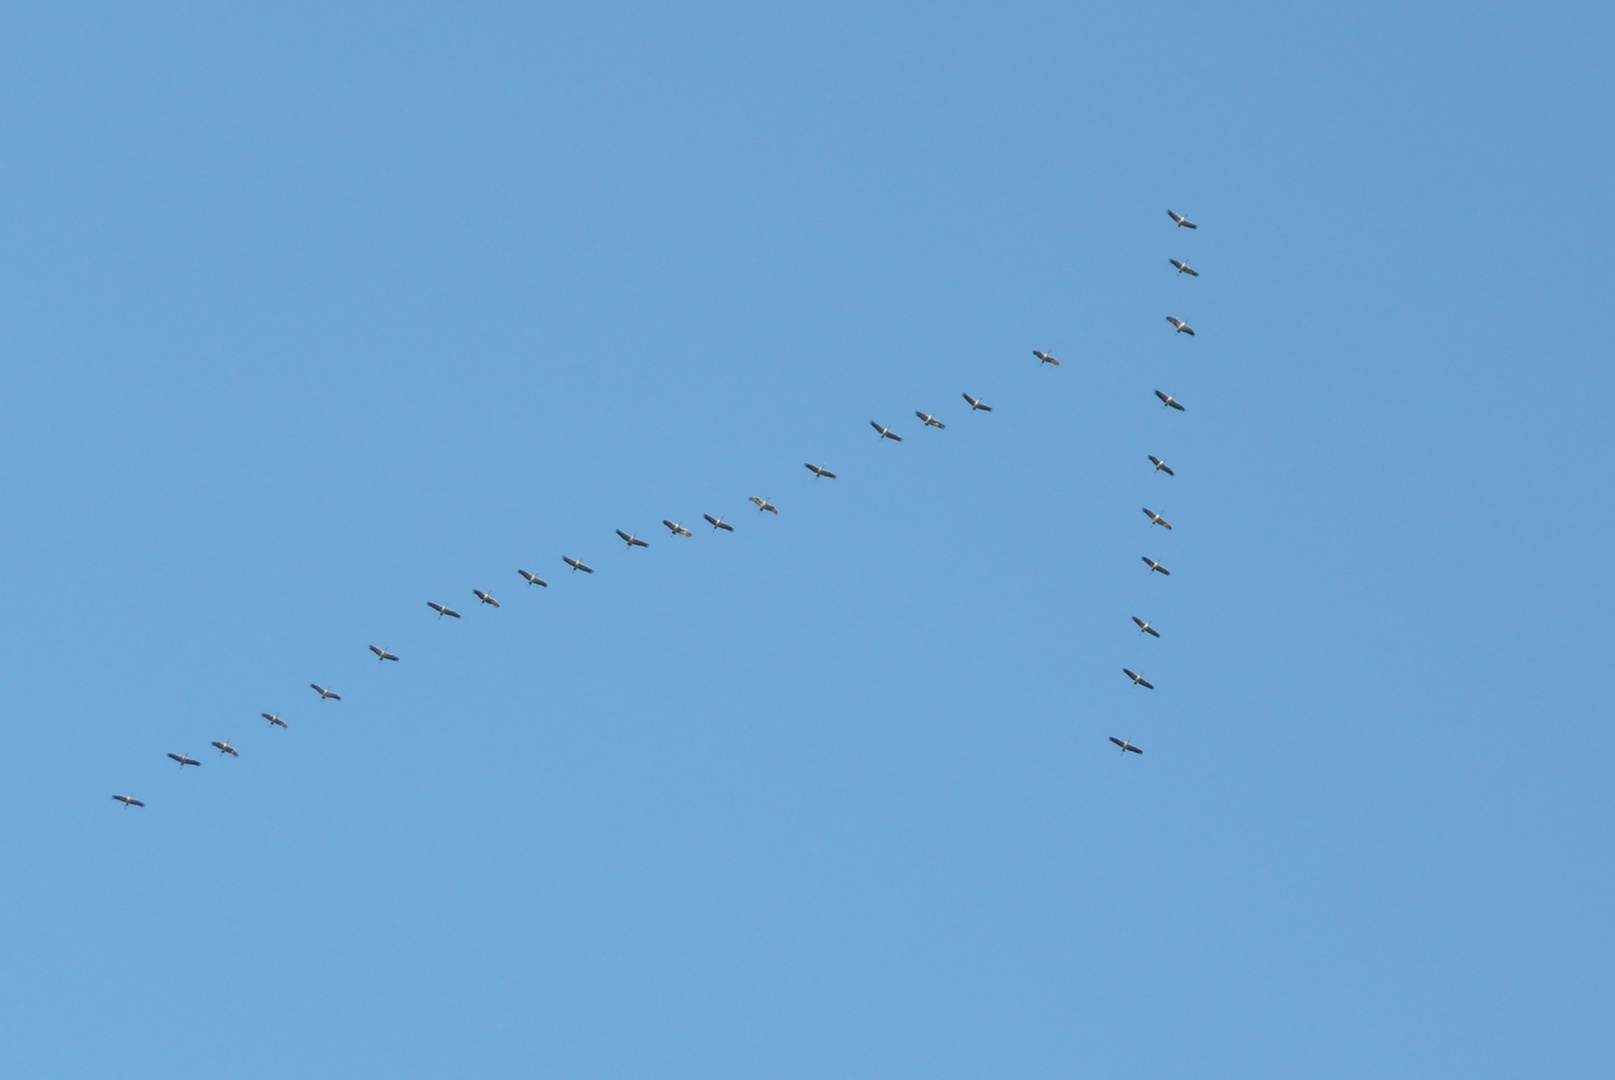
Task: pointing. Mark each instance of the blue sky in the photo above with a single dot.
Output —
(310, 317)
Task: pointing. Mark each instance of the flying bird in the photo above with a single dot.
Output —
(1138, 680)
(128, 801)
(1157, 519)
(818, 471)
(763, 504)
(1125, 745)
(1146, 628)
(382, 654)
(719, 523)
(1184, 268)
(533, 579)
(443, 610)
(484, 598)
(1155, 567)
(675, 528)
(576, 565)
(631, 541)
(930, 421)
(886, 432)
(976, 404)
(225, 748)
(1180, 326)
(1160, 466)
(274, 719)
(1183, 222)
(323, 692)
(1169, 401)
(1045, 358)
(184, 761)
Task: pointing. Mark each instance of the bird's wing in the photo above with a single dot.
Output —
(1139, 621)
(710, 519)
(1173, 216)
(1168, 471)
(1160, 395)
(338, 697)
(1146, 684)
(636, 542)
(827, 472)
(1151, 631)
(1187, 329)
(1130, 746)
(894, 438)
(1178, 405)
(725, 526)
(1118, 742)
(877, 427)
(622, 534)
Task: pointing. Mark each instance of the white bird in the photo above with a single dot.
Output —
(443, 610)
(818, 471)
(533, 579)
(128, 801)
(1155, 567)
(1184, 268)
(886, 432)
(631, 541)
(976, 404)
(1169, 401)
(382, 654)
(484, 598)
(184, 761)
(274, 719)
(576, 565)
(1157, 519)
(1180, 326)
(1138, 680)
(1045, 358)
(930, 421)
(323, 692)
(225, 748)
(1146, 628)
(718, 523)
(1160, 466)
(1125, 745)
(675, 528)
(763, 504)
(1183, 222)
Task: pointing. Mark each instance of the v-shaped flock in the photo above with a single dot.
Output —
(820, 472)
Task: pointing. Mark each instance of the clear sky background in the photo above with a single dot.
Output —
(311, 316)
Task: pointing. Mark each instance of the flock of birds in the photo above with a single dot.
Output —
(820, 472)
